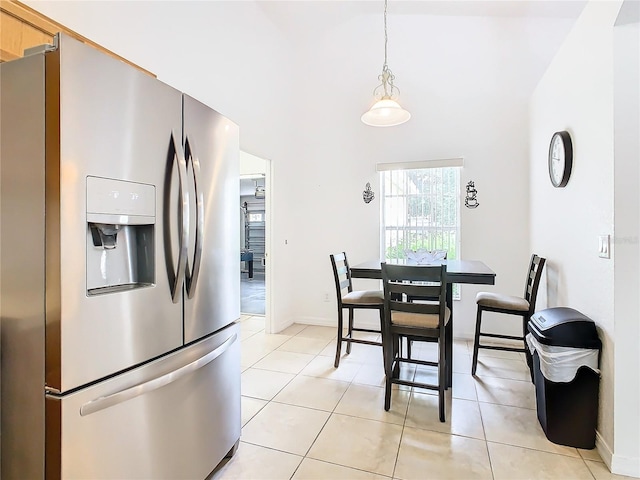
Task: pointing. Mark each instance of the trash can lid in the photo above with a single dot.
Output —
(564, 327)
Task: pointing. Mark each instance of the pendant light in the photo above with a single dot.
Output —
(386, 112)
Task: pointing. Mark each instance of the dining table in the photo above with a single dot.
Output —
(458, 271)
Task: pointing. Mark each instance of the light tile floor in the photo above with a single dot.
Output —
(304, 419)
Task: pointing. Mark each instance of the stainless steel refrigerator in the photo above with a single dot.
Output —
(119, 272)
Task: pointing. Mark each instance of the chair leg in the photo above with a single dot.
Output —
(339, 345)
(442, 374)
(395, 353)
(350, 330)
(382, 337)
(448, 352)
(388, 356)
(476, 341)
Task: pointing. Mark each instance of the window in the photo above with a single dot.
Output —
(420, 209)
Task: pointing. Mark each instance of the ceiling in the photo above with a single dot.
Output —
(447, 56)
(248, 185)
(301, 19)
(456, 62)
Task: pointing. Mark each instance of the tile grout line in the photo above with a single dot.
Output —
(484, 433)
(331, 413)
(411, 394)
(404, 423)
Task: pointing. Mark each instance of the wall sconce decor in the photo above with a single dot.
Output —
(470, 201)
(368, 194)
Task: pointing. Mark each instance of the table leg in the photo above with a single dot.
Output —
(449, 337)
(250, 262)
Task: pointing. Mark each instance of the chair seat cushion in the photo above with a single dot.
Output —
(363, 297)
(506, 302)
(424, 320)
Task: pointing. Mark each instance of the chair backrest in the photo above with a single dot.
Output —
(341, 274)
(438, 255)
(533, 281)
(426, 256)
(441, 254)
(402, 282)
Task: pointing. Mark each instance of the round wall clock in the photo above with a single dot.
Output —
(560, 158)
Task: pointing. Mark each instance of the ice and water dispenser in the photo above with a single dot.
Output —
(120, 235)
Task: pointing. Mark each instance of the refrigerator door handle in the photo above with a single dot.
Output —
(102, 403)
(183, 221)
(192, 274)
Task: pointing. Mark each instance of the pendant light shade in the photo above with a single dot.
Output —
(386, 111)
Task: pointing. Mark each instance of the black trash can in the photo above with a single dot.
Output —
(566, 354)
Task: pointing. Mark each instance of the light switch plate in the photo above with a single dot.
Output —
(603, 246)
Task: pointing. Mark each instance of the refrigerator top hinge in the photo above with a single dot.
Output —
(51, 391)
(47, 47)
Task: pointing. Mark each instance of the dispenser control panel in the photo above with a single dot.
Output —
(118, 197)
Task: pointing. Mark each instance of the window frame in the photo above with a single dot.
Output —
(400, 168)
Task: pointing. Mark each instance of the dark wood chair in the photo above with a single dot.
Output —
(412, 298)
(351, 299)
(511, 305)
(420, 321)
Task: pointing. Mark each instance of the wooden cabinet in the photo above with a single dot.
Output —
(16, 35)
(21, 27)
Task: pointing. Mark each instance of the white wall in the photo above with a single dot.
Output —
(250, 164)
(466, 81)
(340, 153)
(626, 73)
(576, 94)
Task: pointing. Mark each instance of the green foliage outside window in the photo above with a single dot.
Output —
(431, 242)
(421, 210)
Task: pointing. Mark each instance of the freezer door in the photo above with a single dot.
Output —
(212, 283)
(120, 130)
(176, 417)
(22, 268)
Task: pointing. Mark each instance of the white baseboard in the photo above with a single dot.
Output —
(319, 321)
(629, 466)
(332, 322)
(322, 322)
(603, 449)
(278, 327)
(617, 464)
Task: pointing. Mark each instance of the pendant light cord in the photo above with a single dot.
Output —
(386, 112)
(385, 33)
(386, 77)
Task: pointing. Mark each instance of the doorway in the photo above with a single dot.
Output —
(252, 243)
(253, 234)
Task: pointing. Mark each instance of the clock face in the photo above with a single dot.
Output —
(560, 158)
(557, 160)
